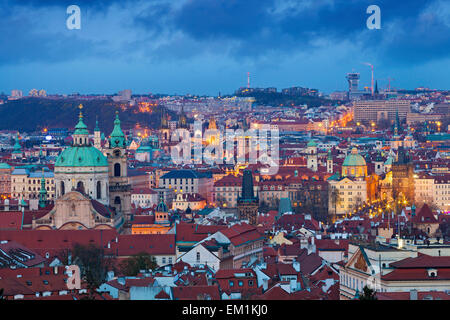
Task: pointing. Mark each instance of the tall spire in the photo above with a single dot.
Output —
(164, 123)
(117, 136)
(96, 124)
(17, 147)
(397, 123)
(81, 133)
(247, 185)
(182, 122)
(42, 192)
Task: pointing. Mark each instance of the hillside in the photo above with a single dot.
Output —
(32, 114)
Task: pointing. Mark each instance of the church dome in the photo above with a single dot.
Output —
(354, 159)
(83, 156)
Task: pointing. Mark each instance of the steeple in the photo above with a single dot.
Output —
(117, 139)
(182, 121)
(397, 123)
(376, 87)
(97, 136)
(329, 162)
(161, 206)
(81, 133)
(96, 125)
(164, 123)
(247, 185)
(42, 192)
(17, 149)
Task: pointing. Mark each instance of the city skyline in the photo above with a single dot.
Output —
(173, 48)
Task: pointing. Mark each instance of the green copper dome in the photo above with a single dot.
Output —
(84, 156)
(312, 143)
(354, 159)
(117, 136)
(162, 207)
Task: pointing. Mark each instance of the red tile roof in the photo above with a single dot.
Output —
(153, 244)
(196, 292)
(10, 220)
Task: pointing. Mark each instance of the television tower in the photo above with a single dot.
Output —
(248, 80)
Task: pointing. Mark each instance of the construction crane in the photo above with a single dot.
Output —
(371, 67)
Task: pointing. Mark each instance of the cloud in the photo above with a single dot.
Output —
(241, 29)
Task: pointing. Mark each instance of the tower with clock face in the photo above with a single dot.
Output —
(119, 186)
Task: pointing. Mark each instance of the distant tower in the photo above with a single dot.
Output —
(379, 164)
(17, 150)
(247, 203)
(182, 121)
(311, 155)
(42, 193)
(119, 187)
(353, 82)
(248, 80)
(329, 162)
(162, 212)
(164, 130)
(97, 136)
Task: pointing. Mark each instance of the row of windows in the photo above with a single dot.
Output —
(178, 181)
(241, 283)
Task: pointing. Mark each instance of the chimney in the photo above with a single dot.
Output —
(413, 294)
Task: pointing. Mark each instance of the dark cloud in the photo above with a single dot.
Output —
(206, 19)
(254, 28)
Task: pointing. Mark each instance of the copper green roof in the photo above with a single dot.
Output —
(83, 156)
(354, 159)
(4, 166)
(312, 143)
(81, 127)
(117, 137)
(17, 146)
(161, 206)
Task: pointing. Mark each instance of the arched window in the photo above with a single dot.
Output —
(117, 170)
(63, 191)
(80, 187)
(99, 190)
(117, 200)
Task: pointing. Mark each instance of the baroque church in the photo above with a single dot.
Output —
(92, 189)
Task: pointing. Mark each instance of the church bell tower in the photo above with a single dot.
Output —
(119, 187)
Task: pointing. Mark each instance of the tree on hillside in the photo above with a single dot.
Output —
(141, 261)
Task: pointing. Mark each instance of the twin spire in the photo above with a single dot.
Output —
(80, 134)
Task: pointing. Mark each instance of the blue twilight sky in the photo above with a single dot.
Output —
(208, 46)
